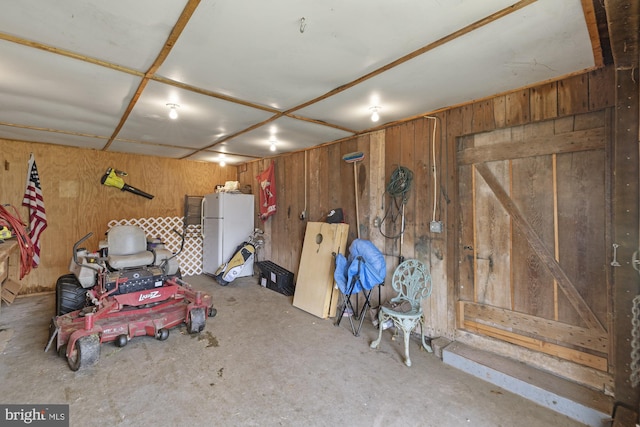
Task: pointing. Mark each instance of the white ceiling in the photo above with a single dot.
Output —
(245, 71)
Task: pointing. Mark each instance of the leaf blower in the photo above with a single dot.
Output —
(112, 178)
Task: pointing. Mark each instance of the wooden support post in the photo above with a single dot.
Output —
(623, 22)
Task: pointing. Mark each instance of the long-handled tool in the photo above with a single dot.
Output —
(112, 178)
(354, 158)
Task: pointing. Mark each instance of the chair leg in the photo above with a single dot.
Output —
(376, 343)
(424, 344)
(407, 334)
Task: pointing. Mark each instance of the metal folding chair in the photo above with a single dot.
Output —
(361, 272)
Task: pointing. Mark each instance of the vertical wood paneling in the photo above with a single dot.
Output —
(393, 151)
(467, 119)
(500, 111)
(376, 186)
(364, 187)
(517, 108)
(423, 189)
(493, 229)
(463, 270)
(581, 221)
(289, 184)
(532, 192)
(573, 95)
(449, 211)
(266, 226)
(466, 262)
(435, 148)
(544, 102)
(483, 116)
(407, 160)
(340, 177)
(76, 202)
(278, 228)
(297, 226)
(600, 83)
(317, 185)
(342, 184)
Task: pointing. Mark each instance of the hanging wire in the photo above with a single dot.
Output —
(433, 164)
(398, 189)
(19, 229)
(400, 183)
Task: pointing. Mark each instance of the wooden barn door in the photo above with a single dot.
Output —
(534, 204)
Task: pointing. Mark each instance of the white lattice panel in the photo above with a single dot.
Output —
(190, 258)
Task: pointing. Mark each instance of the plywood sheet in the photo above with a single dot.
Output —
(315, 292)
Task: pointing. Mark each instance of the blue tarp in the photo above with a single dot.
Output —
(363, 255)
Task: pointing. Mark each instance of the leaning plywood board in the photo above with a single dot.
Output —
(315, 291)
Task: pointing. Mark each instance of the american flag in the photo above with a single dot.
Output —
(37, 216)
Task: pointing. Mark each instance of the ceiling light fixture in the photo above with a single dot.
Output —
(173, 111)
(272, 143)
(221, 160)
(374, 113)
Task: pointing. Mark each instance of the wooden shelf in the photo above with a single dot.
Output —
(9, 270)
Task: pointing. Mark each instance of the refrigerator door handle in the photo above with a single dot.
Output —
(202, 216)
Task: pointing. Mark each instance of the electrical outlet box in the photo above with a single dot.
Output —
(435, 227)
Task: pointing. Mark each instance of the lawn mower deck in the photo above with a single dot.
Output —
(121, 317)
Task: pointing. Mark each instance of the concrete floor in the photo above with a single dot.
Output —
(259, 362)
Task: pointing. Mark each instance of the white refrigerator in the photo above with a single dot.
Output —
(227, 221)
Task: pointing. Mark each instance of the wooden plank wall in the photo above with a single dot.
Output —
(76, 203)
(329, 183)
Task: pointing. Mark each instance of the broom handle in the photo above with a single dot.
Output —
(355, 186)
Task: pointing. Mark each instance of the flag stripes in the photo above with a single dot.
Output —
(35, 202)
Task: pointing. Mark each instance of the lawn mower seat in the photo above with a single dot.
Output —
(127, 247)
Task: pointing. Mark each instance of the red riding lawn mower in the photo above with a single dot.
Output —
(130, 287)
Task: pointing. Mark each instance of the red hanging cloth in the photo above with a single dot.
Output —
(267, 184)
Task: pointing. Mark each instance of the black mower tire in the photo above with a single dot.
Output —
(62, 351)
(86, 352)
(70, 295)
(197, 320)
